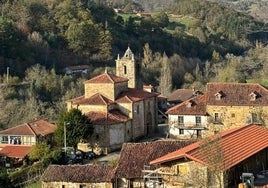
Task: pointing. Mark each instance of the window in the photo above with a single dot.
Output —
(180, 120)
(216, 117)
(233, 115)
(254, 118)
(82, 186)
(198, 133)
(180, 169)
(198, 120)
(4, 140)
(181, 131)
(125, 69)
(137, 109)
(15, 140)
(63, 186)
(218, 96)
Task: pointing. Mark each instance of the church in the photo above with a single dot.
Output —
(118, 107)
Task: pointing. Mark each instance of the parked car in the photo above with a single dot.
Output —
(261, 178)
(90, 155)
(75, 158)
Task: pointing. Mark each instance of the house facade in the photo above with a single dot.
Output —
(188, 120)
(232, 104)
(223, 106)
(28, 133)
(119, 108)
(16, 142)
(218, 161)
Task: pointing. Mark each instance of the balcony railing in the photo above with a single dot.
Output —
(194, 126)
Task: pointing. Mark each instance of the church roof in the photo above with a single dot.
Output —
(96, 99)
(128, 54)
(103, 118)
(107, 78)
(134, 95)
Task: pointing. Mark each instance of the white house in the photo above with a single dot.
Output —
(188, 119)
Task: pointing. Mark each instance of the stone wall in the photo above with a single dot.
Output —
(106, 89)
(234, 116)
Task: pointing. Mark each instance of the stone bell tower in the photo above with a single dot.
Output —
(129, 68)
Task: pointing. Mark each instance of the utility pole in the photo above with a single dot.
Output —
(7, 74)
(65, 149)
(65, 142)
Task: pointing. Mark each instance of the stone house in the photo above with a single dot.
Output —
(223, 106)
(78, 176)
(119, 108)
(217, 161)
(232, 104)
(134, 160)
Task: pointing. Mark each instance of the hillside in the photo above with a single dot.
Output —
(257, 9)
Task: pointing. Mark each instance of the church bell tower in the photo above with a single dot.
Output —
(129, 68)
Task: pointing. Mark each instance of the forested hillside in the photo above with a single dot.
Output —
(182, 43)
(257, 9)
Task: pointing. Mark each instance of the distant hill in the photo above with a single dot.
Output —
(256, 8)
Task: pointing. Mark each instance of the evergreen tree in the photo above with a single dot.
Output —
(165, 84)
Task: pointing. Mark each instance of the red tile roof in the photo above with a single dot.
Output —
(134, 95)
(236, 144)
(134, 156)
(102, 118)
(236, 94)
(181, 95)
(37, 127)
(107, 78)
(15, 151)
(96, 99)
(78, 173)
(194, 106)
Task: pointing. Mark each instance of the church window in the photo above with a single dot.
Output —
(125, 69)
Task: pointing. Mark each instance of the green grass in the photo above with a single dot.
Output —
(261, 81)
(34, 185)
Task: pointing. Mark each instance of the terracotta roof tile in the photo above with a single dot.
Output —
(102, 118)
(194, 106)
(134, 95)
(15, 151)
(181, 95)
(236, 94)
(107, 78)
(96, 99)
(134, 156)
(38, 127)
(237, 144)
(78, 173)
